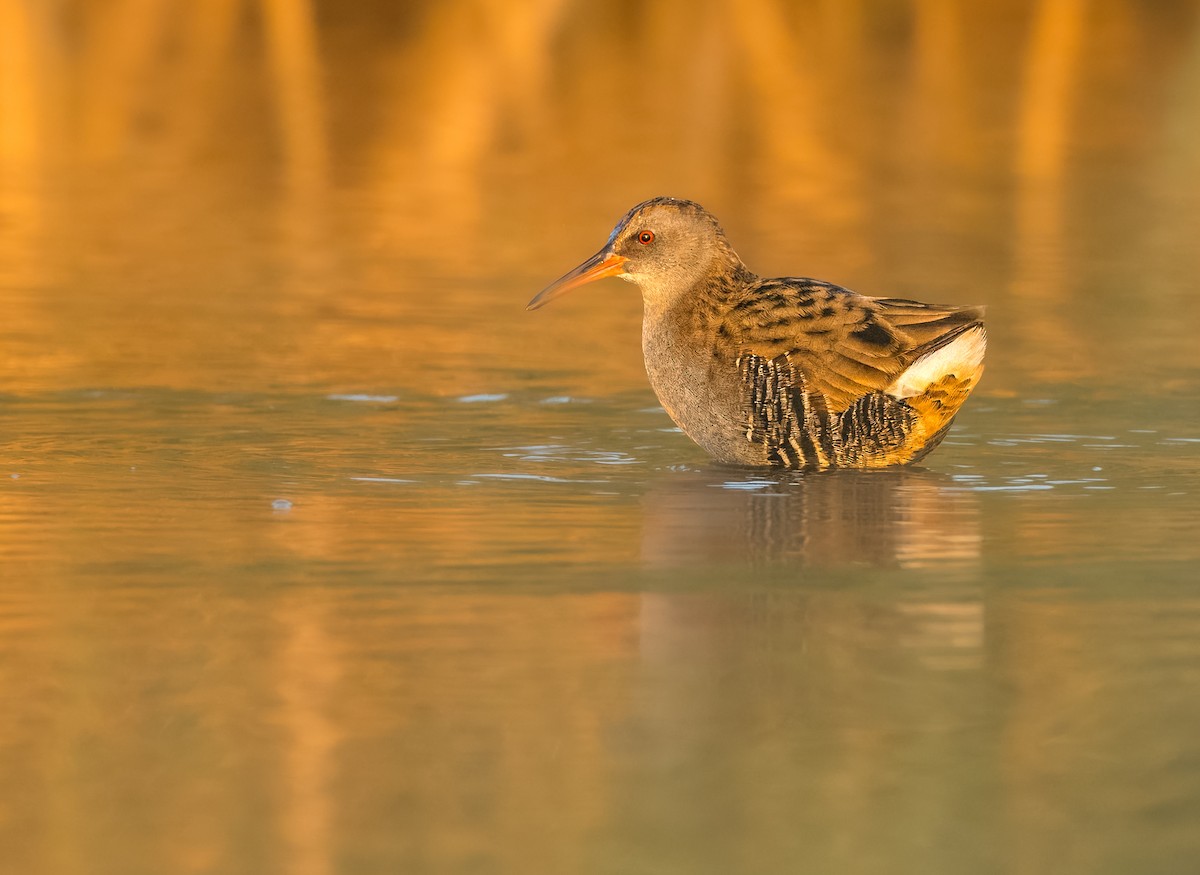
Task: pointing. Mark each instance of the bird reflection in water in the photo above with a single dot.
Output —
(901, 517)
(906, 519)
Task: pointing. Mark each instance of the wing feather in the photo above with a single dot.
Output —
(846, 345)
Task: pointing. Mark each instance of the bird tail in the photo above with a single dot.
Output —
(937, 383)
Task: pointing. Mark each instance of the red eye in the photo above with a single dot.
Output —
(646, 238)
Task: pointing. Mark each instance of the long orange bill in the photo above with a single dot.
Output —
(600, 265)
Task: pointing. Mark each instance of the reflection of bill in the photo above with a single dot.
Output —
(908, 518)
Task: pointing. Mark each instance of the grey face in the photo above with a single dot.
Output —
(664, 245)
(667, 243)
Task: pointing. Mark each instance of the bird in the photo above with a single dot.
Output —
(786, 372)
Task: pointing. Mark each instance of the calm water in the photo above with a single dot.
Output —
(320, 555)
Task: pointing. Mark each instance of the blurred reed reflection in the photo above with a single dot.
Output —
(322, 160)
(424, 728)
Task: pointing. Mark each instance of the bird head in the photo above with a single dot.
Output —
(666, 246)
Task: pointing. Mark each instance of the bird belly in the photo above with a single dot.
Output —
(702, 395)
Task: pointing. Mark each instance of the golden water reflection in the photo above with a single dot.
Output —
(893, 150)
(429, 729)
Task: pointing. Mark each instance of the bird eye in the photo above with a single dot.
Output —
(646, 238)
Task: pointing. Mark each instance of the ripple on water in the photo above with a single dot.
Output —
(562, 453)
(540, 478)
(365, 399)
(753, 485)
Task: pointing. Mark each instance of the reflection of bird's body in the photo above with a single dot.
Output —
(792, 372)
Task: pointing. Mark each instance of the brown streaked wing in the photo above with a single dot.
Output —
(847, 345)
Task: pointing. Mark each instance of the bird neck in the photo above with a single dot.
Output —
(708, 290)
